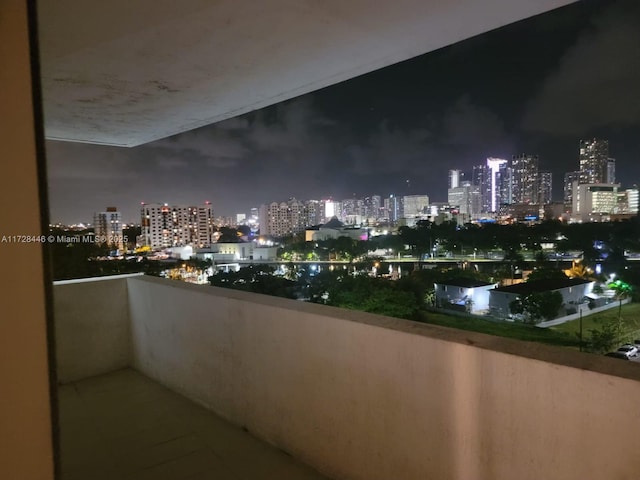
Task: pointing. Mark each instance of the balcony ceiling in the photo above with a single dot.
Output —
(129, 72)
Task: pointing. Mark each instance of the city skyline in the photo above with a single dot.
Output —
(537, 87)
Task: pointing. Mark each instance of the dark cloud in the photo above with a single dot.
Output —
(596, 82)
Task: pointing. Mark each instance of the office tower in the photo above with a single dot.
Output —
(594, 161)
(496, 166)
(372, 208)
(348, 207)
(545, 185)
(505, 185)
(493, 182)
(594, 199)
(394, 208)
(107, 227)
(466, 197)
(481, 178)
(455, 177)
(376, 207)
(352, 212)
(415, 205)
(632, 200)
(525, 178)
(166, 225)
(611, 170)
(570, 179)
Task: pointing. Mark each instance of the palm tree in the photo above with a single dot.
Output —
(622, 289)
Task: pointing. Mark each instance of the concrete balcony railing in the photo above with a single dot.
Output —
(355, 395)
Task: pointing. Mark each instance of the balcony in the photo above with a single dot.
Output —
(162, 379)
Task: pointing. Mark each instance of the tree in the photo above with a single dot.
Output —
(537, 306)
(623, 290)
(603, 340)
(546, 274)
(229, 235)
(362, 292)
(256, 279)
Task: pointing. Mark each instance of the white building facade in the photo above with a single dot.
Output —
(166, 225)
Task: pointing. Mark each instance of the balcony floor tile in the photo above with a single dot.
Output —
(124, 426)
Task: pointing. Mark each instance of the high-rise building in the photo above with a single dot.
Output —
(166, 225)
(545, 186)
(594, 161)
(493, 182)
(525, 178)
(481, 178)
(496, 166)
(632, 200)
(570, 180)
(352, 211)
(279, 219)
(505, 184)
(394, 208)
(466, 198)
(611, 170)
(372, 208)
(107, 227)
(415, 205)
(455, 177)
(589, 199)
(314, 212)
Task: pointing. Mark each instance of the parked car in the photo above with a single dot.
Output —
(620, 355)
(629, 350)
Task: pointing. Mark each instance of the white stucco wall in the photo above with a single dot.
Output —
(481, 298)
(361, 396)
(499, 301)
(92, 328)
(478, 295)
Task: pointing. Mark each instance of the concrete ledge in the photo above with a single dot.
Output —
(92, 327)
(362, 396)
(536, 351)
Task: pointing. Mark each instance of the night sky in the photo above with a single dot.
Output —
(537, 86)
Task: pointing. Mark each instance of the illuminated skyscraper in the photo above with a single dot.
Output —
(166, 225)
(107, 227)
(496, 167)
(284, 218)
(570, 179)
(611, 170)
(545, 186)
(525, 178)
(632, 200)
(455, 177)
(594, 161)
(481, 179)
(313, 212)
(493, 183)
(415, 205)
(466, 197)
(394, 208)
(372, 206)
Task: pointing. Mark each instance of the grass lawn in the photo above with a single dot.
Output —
(503, 329)
(630, 317)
